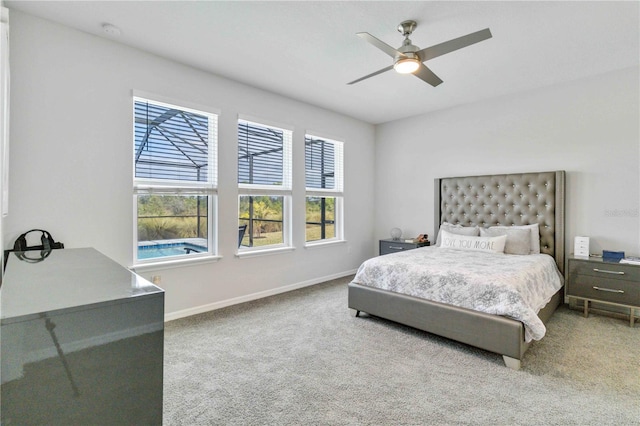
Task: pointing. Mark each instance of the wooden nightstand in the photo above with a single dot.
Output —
(594, 280)
(394, 246)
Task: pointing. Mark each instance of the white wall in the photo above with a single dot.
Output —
(71, 161)
(589, 128)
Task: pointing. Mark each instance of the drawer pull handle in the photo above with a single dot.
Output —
(604, 271)
(608, 289)
(395, 247)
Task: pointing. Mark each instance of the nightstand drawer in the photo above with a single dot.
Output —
(393, 246)
(387, 247)
(605, 270)
(612, 290)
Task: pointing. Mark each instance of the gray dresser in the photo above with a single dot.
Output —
(81, 342)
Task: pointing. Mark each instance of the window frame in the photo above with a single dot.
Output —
(283, 190)
(156, 186)
(337, 192)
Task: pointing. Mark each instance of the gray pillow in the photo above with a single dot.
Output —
(518, 240)
(535, 235)
(472, 231)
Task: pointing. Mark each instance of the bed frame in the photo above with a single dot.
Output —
(508, 199)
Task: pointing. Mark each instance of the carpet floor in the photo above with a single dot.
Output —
(300, 358)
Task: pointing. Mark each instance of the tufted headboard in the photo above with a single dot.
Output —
(509, 199)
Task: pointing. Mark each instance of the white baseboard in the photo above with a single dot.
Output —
(254, 296)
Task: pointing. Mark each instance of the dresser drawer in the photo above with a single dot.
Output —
(606, 289)
(605, 270)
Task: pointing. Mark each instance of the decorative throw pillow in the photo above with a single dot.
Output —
(518, 240)
(457, 229)
(535, 235)
(464, 242)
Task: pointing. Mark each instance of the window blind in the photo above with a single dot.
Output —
(173, 143)
(323, 164)
(264, 155)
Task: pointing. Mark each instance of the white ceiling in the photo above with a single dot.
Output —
(308, 50)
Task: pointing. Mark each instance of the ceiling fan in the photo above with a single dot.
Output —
(408, 58)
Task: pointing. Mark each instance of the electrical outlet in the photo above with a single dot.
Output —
(156, 279)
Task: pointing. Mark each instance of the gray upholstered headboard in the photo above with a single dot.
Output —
(509, 199)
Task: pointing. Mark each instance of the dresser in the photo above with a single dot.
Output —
(394, 246)
(81, 342)
(594, 280)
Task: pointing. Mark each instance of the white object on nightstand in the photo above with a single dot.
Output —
(581, 247)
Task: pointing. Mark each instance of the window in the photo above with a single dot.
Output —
(174, 181)
(324, 182)
(264, 186)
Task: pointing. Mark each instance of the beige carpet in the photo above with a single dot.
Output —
(301, 359)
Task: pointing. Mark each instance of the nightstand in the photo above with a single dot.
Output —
(594, 280)
(394, 246)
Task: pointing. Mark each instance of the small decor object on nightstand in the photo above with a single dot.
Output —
(581, 247)
(396, 233)
(632, 260)
(612, 256)
(420, 239)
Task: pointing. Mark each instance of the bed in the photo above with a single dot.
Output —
(509, 199)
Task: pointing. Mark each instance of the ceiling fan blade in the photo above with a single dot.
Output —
(425, 74)
(372, 74)
(455, 44)
(379, 44)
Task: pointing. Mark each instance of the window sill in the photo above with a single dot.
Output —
(264, 252)
(176, 263)
(319, 244)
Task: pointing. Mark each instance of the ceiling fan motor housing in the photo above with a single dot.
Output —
(407, 50)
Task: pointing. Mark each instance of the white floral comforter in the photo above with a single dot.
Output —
(509, 285)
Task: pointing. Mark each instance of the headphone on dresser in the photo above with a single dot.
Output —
(48, 244)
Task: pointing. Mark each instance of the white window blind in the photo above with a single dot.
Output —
(173, 143)
(264, 156)
(323, 164)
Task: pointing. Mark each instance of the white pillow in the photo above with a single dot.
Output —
(458, 230)
(518, 240)
(465, 242)
(535, 235)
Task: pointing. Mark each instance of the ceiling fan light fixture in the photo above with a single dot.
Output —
(406, 65)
